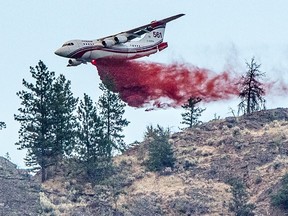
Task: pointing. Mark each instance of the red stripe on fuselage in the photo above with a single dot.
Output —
(80, 52)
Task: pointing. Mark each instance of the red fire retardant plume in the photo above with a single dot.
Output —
(164, 85)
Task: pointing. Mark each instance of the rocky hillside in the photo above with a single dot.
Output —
(252, 149)
(19, 193)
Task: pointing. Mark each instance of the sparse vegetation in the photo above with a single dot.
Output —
(232, 111)
(183, 206)
(145, 205)
(216, 117)
(7, 156)
(206, 157)
(236, 131)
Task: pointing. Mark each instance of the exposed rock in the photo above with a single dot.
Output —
(19, 193)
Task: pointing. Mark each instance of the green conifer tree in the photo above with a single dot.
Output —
(192, 114)
(160, 150)
(91, 146)
(239, 202)
(46, 118)
(64, 121)
(2, 125)
(111, 111)
(36, 118)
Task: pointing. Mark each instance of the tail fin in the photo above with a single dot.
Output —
(156, 35)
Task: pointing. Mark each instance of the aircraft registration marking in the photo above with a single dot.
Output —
(157, 34)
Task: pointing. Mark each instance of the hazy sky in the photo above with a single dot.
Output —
(216, 35)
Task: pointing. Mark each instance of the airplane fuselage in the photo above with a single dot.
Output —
(82, 51)
(93, 49)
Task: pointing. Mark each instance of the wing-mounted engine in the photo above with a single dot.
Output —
(108, 42)
(73, 62)
(121, 38)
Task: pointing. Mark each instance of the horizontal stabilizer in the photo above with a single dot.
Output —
(164, 21)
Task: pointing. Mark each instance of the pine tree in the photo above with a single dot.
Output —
(192, 114)
(64, 121)
(251, 89)
(46, 116)
(239, 203)
(2, 125)
(36, 118)
(91, 145)
(160, 150)
(111, 111)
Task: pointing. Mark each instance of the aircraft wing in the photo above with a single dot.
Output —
(137, 32)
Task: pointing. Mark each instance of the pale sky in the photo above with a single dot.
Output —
(214, 34)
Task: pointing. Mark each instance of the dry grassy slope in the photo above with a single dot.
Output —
(253, 148)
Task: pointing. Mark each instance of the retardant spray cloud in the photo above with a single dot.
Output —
(143, 84)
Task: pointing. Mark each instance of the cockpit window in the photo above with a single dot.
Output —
(68, 44)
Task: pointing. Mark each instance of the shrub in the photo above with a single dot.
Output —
(258, 180)
(160, 150)
(239, 203)
(280, 199)
(144, 205)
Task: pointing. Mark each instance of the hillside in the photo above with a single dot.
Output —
(19, 193)
(250, 148)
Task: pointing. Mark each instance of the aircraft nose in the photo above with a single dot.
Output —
(58, 52)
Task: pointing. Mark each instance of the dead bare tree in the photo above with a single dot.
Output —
(251, 89)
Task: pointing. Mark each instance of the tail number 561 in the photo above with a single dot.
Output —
(157, 34)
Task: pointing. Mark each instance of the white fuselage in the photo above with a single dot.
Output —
(82, 51)
(85, 50)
